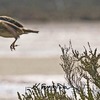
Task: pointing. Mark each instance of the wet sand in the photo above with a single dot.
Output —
(28, 66)
(16, 73)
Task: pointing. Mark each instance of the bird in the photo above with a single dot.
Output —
(11, 28)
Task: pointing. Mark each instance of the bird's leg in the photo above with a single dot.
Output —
(12, 46)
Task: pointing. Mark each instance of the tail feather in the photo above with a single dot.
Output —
(29, 31)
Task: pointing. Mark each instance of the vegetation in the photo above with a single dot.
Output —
(44, 92)
(81, 74)
(81, 70)
(43, 10)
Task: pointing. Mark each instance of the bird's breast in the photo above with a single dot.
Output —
(5, 33)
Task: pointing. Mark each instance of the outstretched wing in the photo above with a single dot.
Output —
(11, 20)
(14, 30)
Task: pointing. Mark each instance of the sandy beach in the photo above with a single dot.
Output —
(24, 66)
(17, 73)
(37, 59)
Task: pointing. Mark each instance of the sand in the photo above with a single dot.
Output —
(12, 69)
(23, 66)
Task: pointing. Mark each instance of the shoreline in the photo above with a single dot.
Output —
(30, 66)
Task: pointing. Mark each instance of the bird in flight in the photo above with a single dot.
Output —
(10, 28)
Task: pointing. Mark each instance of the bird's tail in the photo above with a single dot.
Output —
(29, 31)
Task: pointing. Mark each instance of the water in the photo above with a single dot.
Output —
(45, 44)
(10, 85)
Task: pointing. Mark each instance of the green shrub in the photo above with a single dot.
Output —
(81, 70)
(45, 92)
(81, 74)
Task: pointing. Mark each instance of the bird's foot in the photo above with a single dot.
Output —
(12, 46)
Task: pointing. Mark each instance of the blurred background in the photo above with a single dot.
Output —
(51, 10)
(37, 58)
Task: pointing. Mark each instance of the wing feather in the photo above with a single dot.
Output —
(14, 30)
(11, 20)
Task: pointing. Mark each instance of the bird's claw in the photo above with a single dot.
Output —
(12, 46)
